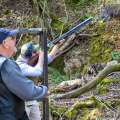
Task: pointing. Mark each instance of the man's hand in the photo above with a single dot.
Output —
(47, 94)
(60, 42)
(33, 60)
(41, 58)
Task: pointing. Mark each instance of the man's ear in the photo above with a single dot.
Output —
(5, 44)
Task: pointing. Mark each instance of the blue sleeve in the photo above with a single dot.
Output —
(18, 84)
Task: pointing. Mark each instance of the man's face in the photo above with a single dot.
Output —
(9, 45)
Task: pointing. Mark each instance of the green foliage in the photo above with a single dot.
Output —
(58, 64)
(102, 87)
(86, 15)
(56, 23)
(84, 114)
(105, 103)
(55, 76)
(79, 2)
(99, 50)
(59, 25)
(57, 111)
(102, 45)
(72, 113)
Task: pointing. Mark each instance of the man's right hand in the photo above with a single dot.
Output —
(33, 60)
(47, 94)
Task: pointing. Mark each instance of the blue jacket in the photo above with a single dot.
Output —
(15, 89)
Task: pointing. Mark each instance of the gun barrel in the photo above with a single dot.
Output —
(71, 31)
(31, 30)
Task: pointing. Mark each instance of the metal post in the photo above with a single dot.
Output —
(43, 41)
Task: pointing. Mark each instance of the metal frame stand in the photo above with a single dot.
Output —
(43, 43)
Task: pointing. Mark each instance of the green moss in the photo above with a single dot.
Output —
(57, 111)
(102, 45)
(102, 87)
(84, 114)
(72, 113)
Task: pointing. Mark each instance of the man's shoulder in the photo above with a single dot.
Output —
(2, 60)
(8, 63)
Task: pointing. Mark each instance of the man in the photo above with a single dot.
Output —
(28, 52)
(15, 88)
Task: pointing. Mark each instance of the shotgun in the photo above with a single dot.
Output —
(70, 32)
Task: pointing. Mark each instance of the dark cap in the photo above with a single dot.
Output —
(4, 33)
(28, 48)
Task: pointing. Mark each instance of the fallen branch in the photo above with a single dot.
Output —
(77, 92)
(66, 86)
(63, 89)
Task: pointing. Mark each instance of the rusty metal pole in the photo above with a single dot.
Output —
(43, 43)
